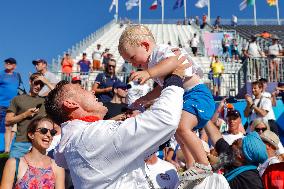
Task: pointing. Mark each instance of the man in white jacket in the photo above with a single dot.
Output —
(106, 153)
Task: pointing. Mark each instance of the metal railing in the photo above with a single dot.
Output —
(81, 46)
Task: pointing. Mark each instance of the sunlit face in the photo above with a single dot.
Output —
(88, 101)
(260, 128)
(40, 66)
(233, 123)
(36, 86)
(256, 90)
(137, 56)
(111, 67)
(39, 139)
(9, 66)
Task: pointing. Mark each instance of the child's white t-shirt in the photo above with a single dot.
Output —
(163, 51)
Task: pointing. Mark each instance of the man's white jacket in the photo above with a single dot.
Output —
(110, 154)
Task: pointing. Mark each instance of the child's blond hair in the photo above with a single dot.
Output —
(133, 35)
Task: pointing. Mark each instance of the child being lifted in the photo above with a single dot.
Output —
(137, 46)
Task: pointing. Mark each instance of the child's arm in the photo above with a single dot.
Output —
(162, 69)
(149, 98)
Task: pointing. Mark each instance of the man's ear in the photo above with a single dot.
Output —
(146, 45)
(70, 104)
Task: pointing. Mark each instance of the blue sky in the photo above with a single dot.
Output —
(32, 29)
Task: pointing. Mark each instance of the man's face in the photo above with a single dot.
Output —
(87, 100)
(9, 66)
(256, 90)
(40, 66)
(36, 86)
(111, 67)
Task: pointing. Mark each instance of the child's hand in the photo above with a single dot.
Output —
(141, 76)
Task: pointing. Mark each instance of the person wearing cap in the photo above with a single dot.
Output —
(117, 107)
(76, 80)
(104, 82)
(10, 82)
(274, 50)
(84, 65)
(234, 123)
(22, 110)
(240, 160)
(271, 140)
(49, 79)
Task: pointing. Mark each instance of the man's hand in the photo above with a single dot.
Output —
(141, 76)
(31, 112)
(248, 99)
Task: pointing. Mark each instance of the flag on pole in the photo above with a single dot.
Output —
(201, 3)
(271, 2)
(111, 5)
(131, 3)
(245, 3)
(154, 5)
(178, 4)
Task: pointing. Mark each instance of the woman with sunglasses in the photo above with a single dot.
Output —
(35, 169)
(260, 125)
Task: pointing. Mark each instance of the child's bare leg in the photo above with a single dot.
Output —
(190, 140)
(189, 160)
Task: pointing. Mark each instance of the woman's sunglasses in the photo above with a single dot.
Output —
(260, 129)
(45, 130)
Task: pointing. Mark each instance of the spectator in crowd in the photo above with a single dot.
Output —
(130, 141)
(274, 50)
(197, 22)
(235, 50)
(252, 50)
(97, 57)
(117, 106)
(259, 106)
(234, 123)
(22, 110)
(218, 69)
(226, 46)
(265, 94)
(160, 173)
(271, 140)
(49, 79)
(76, 80)
(240, 160)
(194, 44)
(217, 23)
(84, 65)
(234, 21)
(106, 57)
(272, 175)
(204, 21)
(9, 84)
(67, 66)
(35, 169)
(104, 82)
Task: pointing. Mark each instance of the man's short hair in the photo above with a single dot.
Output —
(263, 80)
(35, 75)
(133, 35)
(260, 85)
(54, 101)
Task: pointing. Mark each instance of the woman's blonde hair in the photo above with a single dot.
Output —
(259, 120)
(133, 35)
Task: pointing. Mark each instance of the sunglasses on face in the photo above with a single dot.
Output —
(45, 130)
(38, 82)
(111, 66)
(260, 129)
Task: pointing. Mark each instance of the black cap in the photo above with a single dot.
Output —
(38, 61)
(233, 113)
(11, 61)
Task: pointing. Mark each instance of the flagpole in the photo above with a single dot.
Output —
(277, 10)
(116, 11)
(162, 3)
(254, 12)
(184, 9)
(208, 9)
(139, 11)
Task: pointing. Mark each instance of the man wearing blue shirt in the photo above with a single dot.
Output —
(9, 83)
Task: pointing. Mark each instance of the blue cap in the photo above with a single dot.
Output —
(11, 61)
(121, 85)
